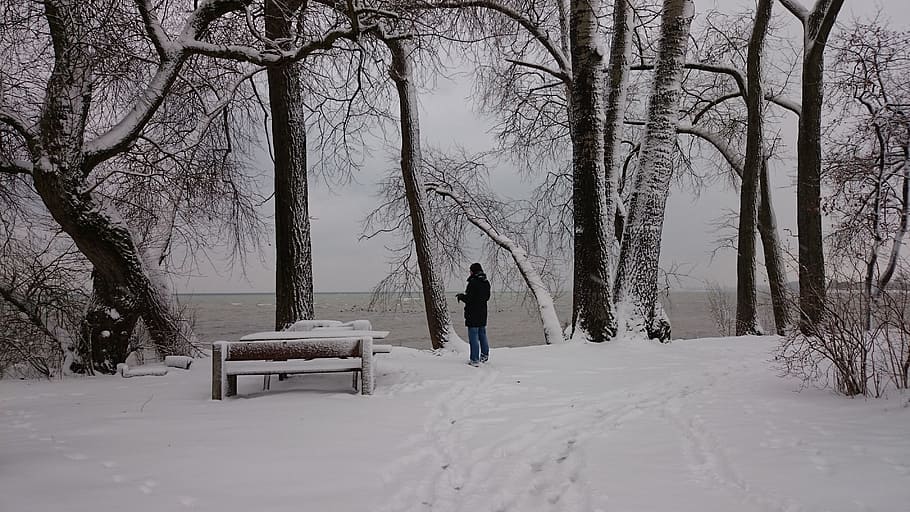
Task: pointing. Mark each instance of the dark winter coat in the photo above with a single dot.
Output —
(475, 299)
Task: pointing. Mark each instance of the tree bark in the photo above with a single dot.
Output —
(617, 87)
(774, 261)
(746, 296)
(637, 272)
(293, 248)
(817, 25)
(437, 311)
(109, 322)
(592, 295)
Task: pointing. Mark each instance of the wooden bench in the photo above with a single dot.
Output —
(233, 358)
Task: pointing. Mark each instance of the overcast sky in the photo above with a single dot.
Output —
(343, 263)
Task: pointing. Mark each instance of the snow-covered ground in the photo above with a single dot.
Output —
(702, 425)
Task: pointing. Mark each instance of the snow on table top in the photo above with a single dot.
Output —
(314, 334)
(701, 425)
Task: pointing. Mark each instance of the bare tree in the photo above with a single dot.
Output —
(560, 60)
(293, 249)
(478, 216)
(437, 311)
(709, 114)
(636, 279)
(817, 24)
(76, 134)
(746, 298)
(868, 161)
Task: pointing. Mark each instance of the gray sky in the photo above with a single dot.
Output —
(448, 118)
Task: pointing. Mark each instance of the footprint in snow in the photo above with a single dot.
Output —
(148, 486)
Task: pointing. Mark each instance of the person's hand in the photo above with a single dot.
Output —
(460, 297)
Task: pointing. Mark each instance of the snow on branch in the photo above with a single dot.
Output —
(174, 53)
(797, 9)
(153, 28)
(18, 124)
(271, 57)
(15, 167)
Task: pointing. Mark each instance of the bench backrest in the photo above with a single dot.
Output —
(293, 349)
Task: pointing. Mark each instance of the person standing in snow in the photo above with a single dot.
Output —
(475, 299)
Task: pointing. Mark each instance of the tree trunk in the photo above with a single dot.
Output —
(293, 250)
(109, 322)
(59, 178)
(774, 261)
(615, 109)
(640, 254)
(746, 296)
(817, 25)
(808, 195)
(434, 301)
(592, 295)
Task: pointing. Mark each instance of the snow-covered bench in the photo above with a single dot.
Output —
(293, 356)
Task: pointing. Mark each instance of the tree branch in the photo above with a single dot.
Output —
(561, 60)
(788, 103)
(18, 124)
(558, 74)
(737, 74)
(153, 28)
(16, 167)
(797, 9)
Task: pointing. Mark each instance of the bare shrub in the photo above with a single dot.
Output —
(843, 353)
(722, 306)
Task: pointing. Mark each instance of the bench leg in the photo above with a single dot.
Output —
(219, 382)
(366, 366)
(355, 380)
(266, 382)
(231, 385)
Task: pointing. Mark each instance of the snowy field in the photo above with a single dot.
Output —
(702, 425)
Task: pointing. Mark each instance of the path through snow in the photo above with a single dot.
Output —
(703, 425)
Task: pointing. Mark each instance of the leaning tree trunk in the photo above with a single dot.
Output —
(617, 89)
(434, 301)
(109, 322)
(293, 250)
(59, 172)
(817, 25)
(746, 296)
(637, 273)
(592, 296)
(546, 308)
(774, 261)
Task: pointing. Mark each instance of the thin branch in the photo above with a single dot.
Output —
(561, 59)
(558, 74)
(18, 124)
